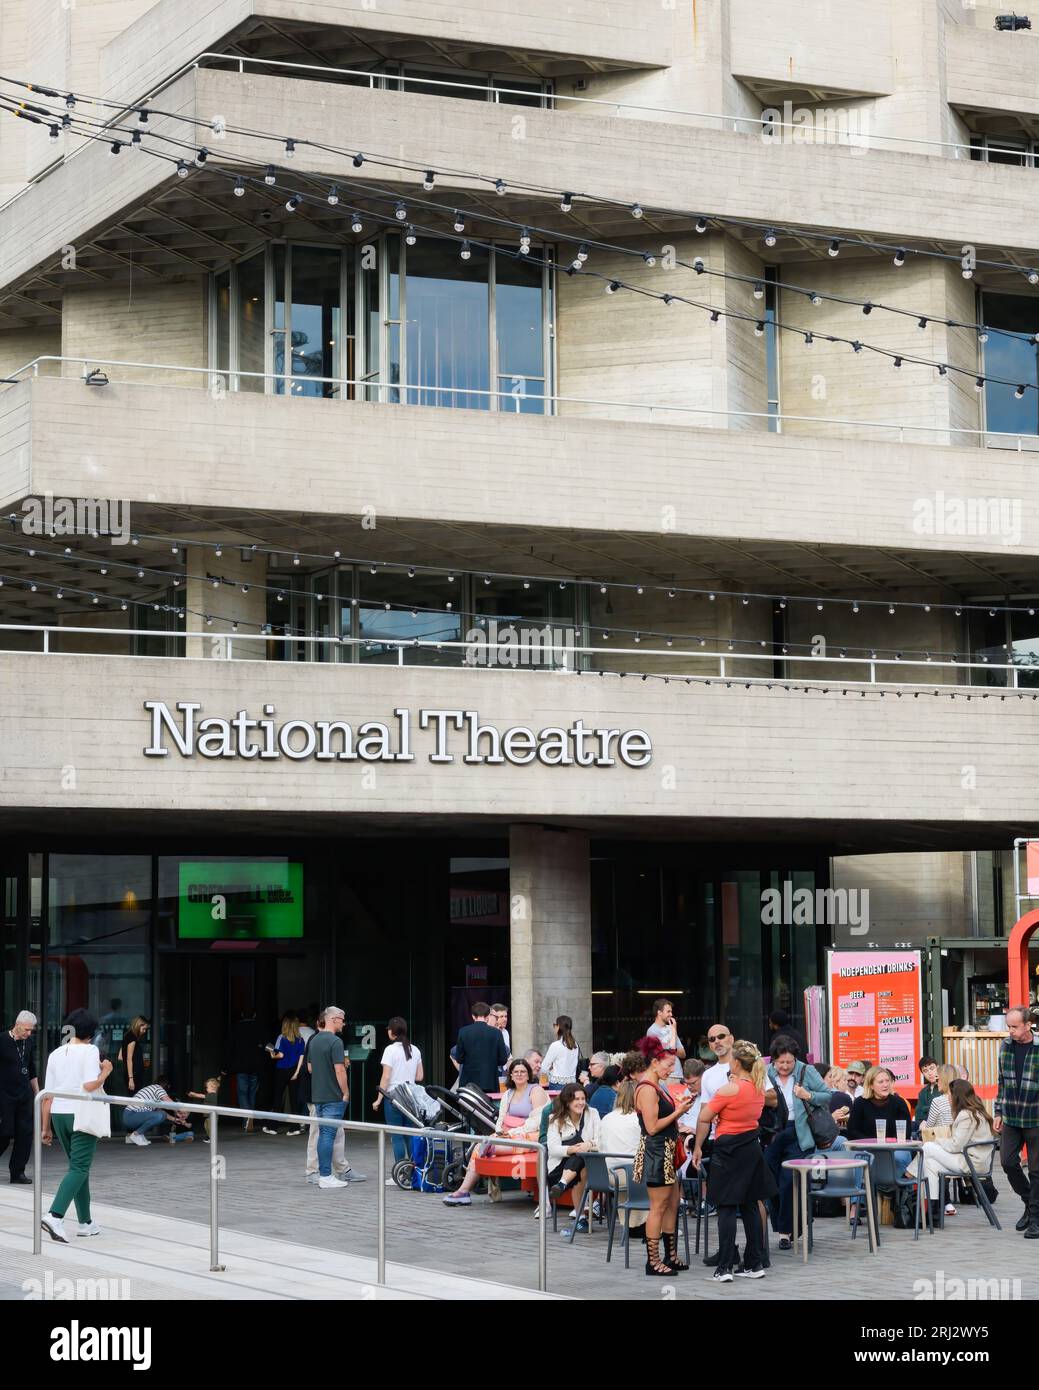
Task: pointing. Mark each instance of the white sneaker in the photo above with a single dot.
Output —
(331, 1182)
(91, 1228)
(138, 1139)
(55, 1227)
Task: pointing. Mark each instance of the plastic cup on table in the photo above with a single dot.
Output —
(881, 1131)
(900, 1131)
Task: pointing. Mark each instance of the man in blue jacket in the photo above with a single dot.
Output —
(480, 1051)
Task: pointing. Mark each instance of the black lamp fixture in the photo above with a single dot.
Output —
(96, 378)
(1008, 23)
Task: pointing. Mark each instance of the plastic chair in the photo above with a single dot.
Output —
(599, 1184)
(849, 1183)
(975, 1178)
(636, 1198)
(885, 1174)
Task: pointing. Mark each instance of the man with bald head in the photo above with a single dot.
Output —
(1016, 1111)
(18, 1086)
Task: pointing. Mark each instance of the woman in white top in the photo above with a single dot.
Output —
(75, 1066)
(619, 1133)
(573, 1131)
(559, 1064)
(401, 1062)
(971, 1124)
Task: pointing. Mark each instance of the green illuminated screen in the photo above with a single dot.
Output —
(240, 900)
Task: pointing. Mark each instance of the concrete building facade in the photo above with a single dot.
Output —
(690, 360)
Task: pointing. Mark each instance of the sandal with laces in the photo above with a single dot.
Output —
(655, 1266)
(671, 1251)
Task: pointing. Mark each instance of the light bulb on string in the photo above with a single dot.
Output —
(356, 225)
(566, 202)
(466, 251)
(400, 211)
(269, 176)
(332, 196)
(429, 181)
(900, 257)
(834, 248)
(459, 223)
(499, 187)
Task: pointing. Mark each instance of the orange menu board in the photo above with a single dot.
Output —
(876, 1012)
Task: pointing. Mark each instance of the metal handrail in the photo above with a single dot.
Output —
(353, 1126)
(726, 660)
(756, 123)
(217, 375)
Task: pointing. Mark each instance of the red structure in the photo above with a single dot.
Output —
(1017, 950)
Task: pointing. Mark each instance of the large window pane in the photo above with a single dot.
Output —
(447, 326)
(316, 319)
(519, 327)
(99, 910)
(1012, 359)
(222, 311)
(418, 609)
(251, 329)
(1024, 632)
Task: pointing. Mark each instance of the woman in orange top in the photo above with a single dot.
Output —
(738, 1178)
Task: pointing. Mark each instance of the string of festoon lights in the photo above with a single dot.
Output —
(281, 593)
(468, 242)
(449, 611)
(586, 244)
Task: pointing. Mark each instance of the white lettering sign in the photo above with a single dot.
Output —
(457, 736)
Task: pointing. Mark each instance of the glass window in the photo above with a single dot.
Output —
(98, 953)
(539, 613)
(772, 347)
(472, 85)
(251, 322)
(988, 642)
(222, 324)
(280, 326)
(1012, 359)
(315, 319)
(287, 615)
(519, 316)
(1024, 647)
(417, 609)
(447, 305)
(519, 93)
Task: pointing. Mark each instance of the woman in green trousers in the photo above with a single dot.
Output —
(75, 1066)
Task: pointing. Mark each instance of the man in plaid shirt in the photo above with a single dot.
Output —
(1017, 1114)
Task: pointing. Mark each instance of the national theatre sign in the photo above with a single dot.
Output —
(186, 731)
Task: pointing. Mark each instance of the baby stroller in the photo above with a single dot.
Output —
(434, 1164)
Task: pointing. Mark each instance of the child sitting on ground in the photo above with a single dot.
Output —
(208, 1097)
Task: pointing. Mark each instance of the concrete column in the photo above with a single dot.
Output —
(226, 604)
(551, 934)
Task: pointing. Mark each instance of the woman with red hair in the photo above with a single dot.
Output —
(655, 1158)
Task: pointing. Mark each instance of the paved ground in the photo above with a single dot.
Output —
(264, 1194)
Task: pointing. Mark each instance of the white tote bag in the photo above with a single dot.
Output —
(93, 1117)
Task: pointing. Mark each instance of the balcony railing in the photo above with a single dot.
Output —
(376, 389)
(900, 673)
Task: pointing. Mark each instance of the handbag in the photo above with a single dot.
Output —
(93, 1118)
(821, 1123)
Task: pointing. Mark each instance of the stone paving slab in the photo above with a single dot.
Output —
(265, 1194)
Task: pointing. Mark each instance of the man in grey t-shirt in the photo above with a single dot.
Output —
(329, 1092)
(665, 1028)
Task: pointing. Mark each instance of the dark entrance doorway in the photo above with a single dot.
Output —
(201, 994)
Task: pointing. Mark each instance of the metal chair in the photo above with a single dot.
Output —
(885, 1174)
(844, 1183)
(976, 1180)
(636, 1198)
(599, 1183)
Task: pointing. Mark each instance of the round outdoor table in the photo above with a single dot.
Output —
(915, 1146)
(803, 1168)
